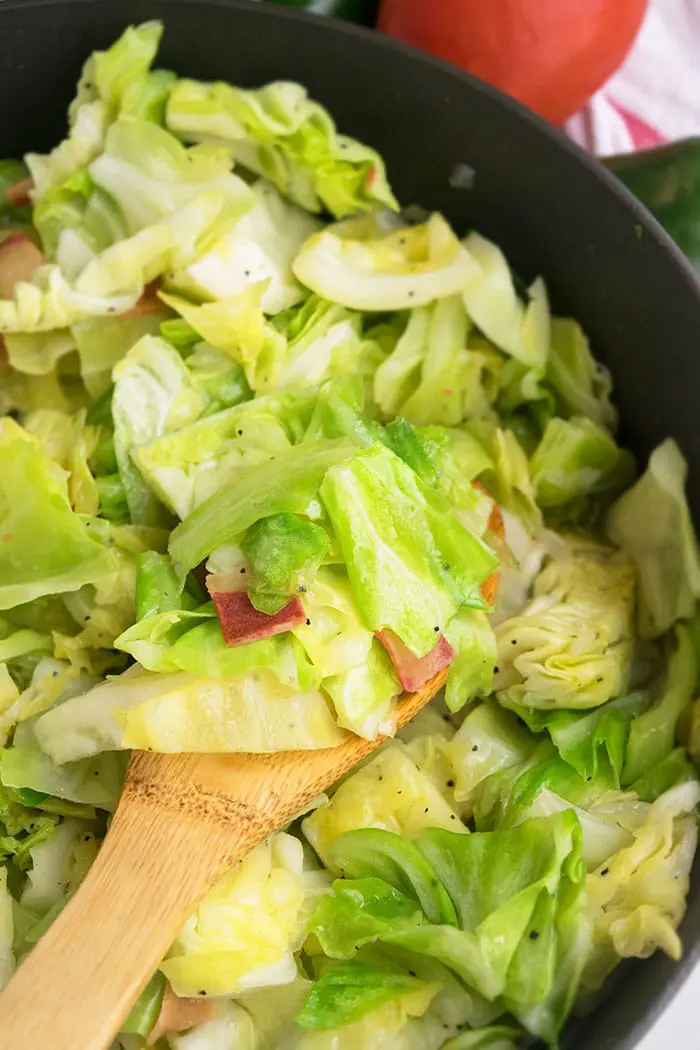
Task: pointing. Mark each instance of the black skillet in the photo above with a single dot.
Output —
(553, 210)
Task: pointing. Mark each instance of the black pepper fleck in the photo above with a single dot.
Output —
(450, 783)
(436, 629)
(533, 935)
(605, 871)
(475, 747)
(308, 622)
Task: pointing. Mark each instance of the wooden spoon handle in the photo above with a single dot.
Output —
(182, 819)
(80, 981)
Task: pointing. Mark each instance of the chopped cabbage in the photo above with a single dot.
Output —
(108, 79)
(59, 864)
(46, 548)
(507, 476)
(279, 132)
(92, 781)
(174, 712)
(582, 384)
(153, 394)
(488, 741)
(150, 174)
(502, 887)
(37, 354)
(651, 523)
(637, 898)
(189, 465)
(571, 646)
(494, 306)
(261, 247)
(359, 264)
(426, 378)
(652, 733)
(113, 281)
(287, 484)
(244, 933)
(391, 793)
(410, 561)
(575, 460)
(71, 443)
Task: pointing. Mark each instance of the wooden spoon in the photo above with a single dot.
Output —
(182, 820)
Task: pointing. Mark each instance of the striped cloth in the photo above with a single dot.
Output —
(655, 96)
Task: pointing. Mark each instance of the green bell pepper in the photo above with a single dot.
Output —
(666, 179)
(364, 12)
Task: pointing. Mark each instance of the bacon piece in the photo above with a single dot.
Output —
(241, 622)
(489, 588)
(415, 671)
(149, 303)
(19, 258)
(177, 1015)
(18, 192)
(145, 305)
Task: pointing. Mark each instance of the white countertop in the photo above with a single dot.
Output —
(678, 1026)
